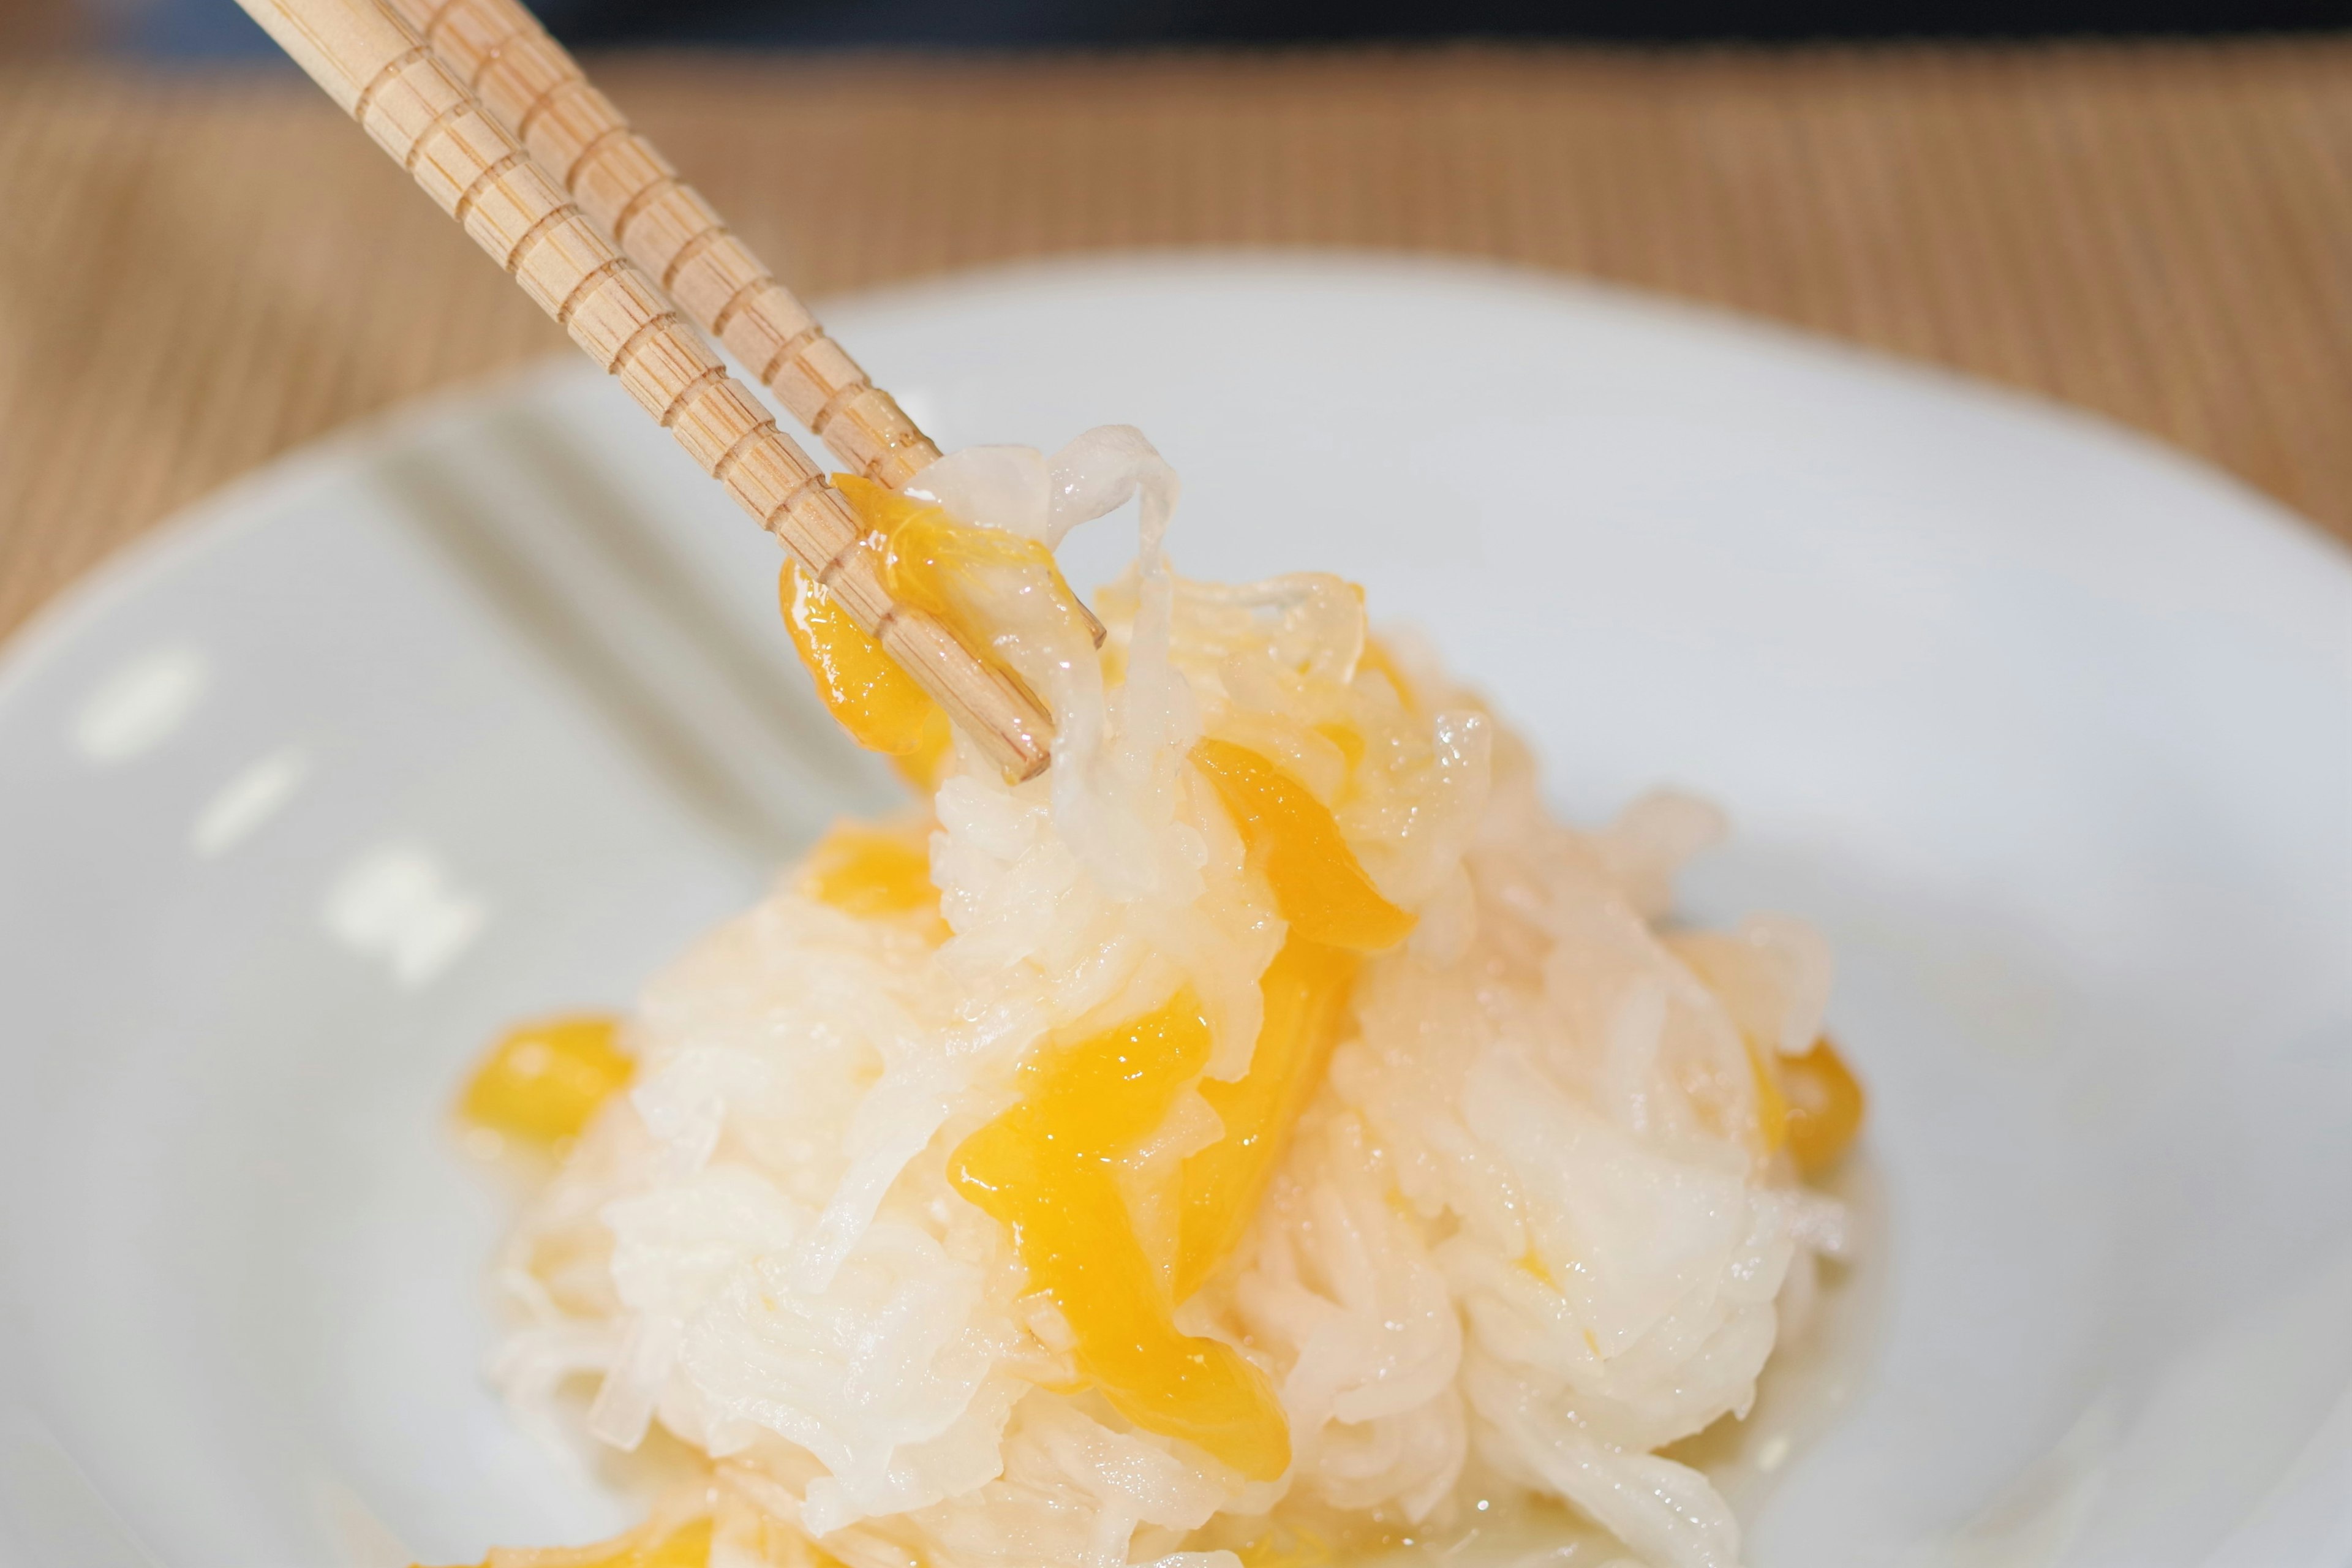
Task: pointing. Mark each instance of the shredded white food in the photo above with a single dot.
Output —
(1526, 1233)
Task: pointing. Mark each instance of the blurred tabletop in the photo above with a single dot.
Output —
(198, 271)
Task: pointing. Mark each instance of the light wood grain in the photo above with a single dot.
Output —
(201, 272)
(538, 93)
(377, 71)
(535, 89)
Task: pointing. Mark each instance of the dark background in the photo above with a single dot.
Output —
(212, 28)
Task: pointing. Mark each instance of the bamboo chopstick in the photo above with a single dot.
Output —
(534, 87)
(371, 64)
(538, 92)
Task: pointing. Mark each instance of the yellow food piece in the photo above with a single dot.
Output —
(685, 1548)
(1825, 1106)
(1305, 991)
(542, 1082)
(1048, 1170)
(867, 871)
(882, 510)
(750, 1537)
(1772, 1104)
(864, 688)
(1319, 885)
(1335, 915)
(929, 559)
(688, 1546)
(925, 765)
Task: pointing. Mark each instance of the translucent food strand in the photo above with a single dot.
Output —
(1048, 1170)
(541, 1083)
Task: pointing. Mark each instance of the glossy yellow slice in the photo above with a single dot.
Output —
(1048, 1170)
(1319, 885)
(862, 687)
(1305, 991)
(1335, 915)
(868, 871)
(1825, 1106)
(541, 1082)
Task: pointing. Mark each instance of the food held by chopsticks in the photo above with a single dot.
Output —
(390, 81)
(1265, 1138)
(1269, 1131)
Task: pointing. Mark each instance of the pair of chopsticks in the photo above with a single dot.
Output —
(501, 128)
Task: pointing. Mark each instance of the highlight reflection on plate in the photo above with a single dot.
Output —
(487, 709)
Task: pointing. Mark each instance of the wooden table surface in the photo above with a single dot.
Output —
(198, 271)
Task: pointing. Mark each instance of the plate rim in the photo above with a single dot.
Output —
(246, 500)
(251, 499)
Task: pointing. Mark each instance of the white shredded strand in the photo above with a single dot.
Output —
(1525, 1235)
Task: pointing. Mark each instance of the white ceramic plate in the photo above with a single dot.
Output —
(486, 710)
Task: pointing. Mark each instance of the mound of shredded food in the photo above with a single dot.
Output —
(1266, 1138)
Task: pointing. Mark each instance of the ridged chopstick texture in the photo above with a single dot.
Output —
(378, 71)
(205, 270)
